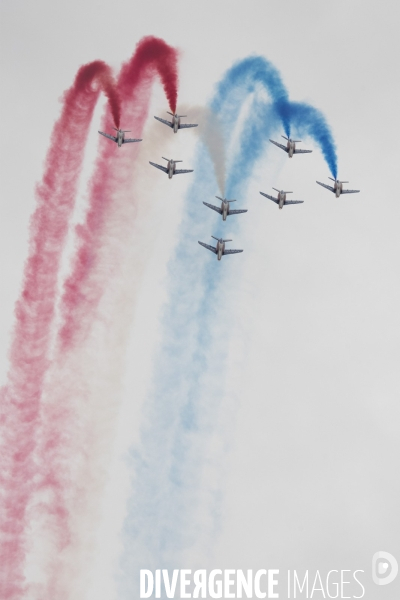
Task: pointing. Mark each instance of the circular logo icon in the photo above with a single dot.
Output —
(384, 568)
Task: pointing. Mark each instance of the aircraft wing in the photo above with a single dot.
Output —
(110, 137)
(127, 141)
(350, 191)
(232, 251)
(279, 145)
(218, 210)
(301, 151)
(294, 201)
(179, 171)
(236, 212)
(270, 198)
(164, 121)
(328, 187)
(208, 247)
(159, 167)
(186, 125)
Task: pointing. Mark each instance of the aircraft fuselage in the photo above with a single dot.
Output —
(120, 138)
(338, 187)
(220, 249)
(225, 209)
(171, 168)
(176, 122)
(281, 198)
(291, 147)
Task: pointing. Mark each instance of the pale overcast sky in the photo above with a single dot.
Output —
(307, 434)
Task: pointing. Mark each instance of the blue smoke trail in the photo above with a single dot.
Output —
(310, 121)
(179, 415)
(254, 72)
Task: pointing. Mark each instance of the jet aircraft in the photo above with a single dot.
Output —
(175, 124)
(120, 137)
(290, 147)
(219, 249)
(337, 188)
(171, 169)
(281, 199)
(225, 209)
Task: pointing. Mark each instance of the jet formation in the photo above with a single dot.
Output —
(225, 209)
(291, 149)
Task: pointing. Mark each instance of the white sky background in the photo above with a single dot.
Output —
(311, 470)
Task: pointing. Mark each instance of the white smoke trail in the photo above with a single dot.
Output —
(211, 134)
(89, 378)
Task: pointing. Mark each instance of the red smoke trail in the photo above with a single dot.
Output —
(29, 360)
(109, 220)
(153, 57)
